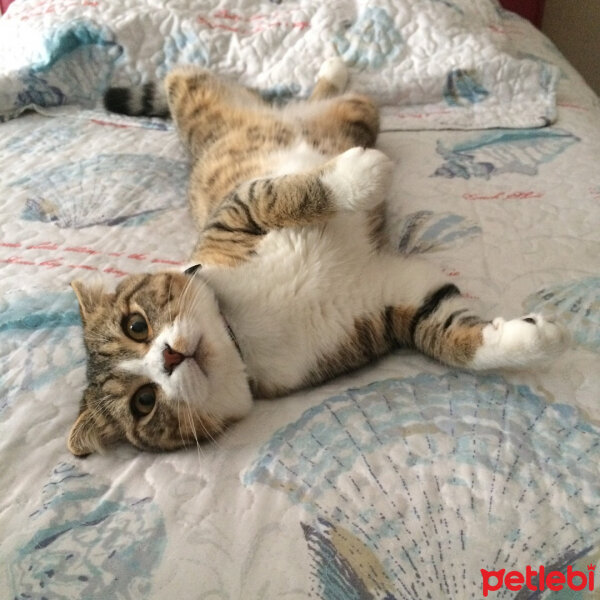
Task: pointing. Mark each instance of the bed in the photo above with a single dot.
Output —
(405, 480)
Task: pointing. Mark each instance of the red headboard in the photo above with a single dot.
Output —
(532, 10)
(4, 5)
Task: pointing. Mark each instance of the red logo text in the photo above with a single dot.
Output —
(537, 581)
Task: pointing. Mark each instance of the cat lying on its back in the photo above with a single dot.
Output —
(297, 284)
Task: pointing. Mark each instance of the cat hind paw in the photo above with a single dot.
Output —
(335, 72)
(528, 341)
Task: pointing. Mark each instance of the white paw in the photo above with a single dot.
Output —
(334, 70)
(360, 178)
(523, 342)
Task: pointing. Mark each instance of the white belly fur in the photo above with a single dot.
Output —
(299, 297)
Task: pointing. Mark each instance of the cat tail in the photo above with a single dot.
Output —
(148, 100)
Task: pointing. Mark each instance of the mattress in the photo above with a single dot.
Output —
(404, 480)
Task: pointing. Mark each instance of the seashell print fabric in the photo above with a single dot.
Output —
(400, 481)
(400, 463)
(454, 60)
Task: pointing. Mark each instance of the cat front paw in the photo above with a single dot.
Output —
(528, 341)
(360, 178)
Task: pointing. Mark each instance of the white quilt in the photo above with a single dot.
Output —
(399, 482)
(433, 63)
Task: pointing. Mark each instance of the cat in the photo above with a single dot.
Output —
(292, 281)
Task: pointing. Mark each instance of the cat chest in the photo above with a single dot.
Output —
(294, 304)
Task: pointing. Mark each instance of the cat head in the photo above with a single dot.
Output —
(163, 371)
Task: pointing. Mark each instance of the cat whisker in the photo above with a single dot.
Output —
(193, 304)
(100, 409)
(207, 434)
(98, 339)
(169, 303)
(183, 441)
(193, 428)
(186, 305)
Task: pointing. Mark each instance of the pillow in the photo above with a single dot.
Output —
(451, 59)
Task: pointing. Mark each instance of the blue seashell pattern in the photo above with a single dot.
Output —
(463, 89)
(503, 151)
(577, 303)
(107, 189)
(426, 231)
(40, 333)
(77, 67)
(182, 47)
(88, 541)
(436, 477)
(371, 41)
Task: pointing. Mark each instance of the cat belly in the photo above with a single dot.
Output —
(297, 159)
(298, 300)
(290, 303)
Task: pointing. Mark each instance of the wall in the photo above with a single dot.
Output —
(574, 26)
(530, 9)
(4, 5)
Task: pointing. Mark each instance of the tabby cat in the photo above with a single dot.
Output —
(293, 282)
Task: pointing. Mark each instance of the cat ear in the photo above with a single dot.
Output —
(88, 436)
(84, 437)
(88, 296)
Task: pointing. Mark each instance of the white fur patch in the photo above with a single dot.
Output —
(520, 343)
(299, 158)
(297, 300)
(335, 71)
(212, 378)
(360, 179)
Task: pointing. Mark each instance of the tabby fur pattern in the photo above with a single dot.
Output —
(297, 282)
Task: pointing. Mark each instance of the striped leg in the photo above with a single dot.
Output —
(205, 106)
(342, 121)
(445, 328)
(355, 180)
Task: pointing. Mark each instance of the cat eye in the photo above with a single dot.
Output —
(143, 401)
(136, 327)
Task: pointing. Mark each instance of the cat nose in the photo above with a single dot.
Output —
(171, 358)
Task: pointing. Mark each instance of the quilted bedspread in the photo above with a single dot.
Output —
(453, 59)
(401, 481)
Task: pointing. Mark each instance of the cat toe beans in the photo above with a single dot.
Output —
(360, 178)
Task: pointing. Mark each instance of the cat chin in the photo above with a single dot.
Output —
(215, 354)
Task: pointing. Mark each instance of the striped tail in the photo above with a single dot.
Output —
(148, 100)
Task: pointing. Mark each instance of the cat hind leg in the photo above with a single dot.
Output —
(205, 106)
(338, 121)
(332, 79)
(446, 328)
